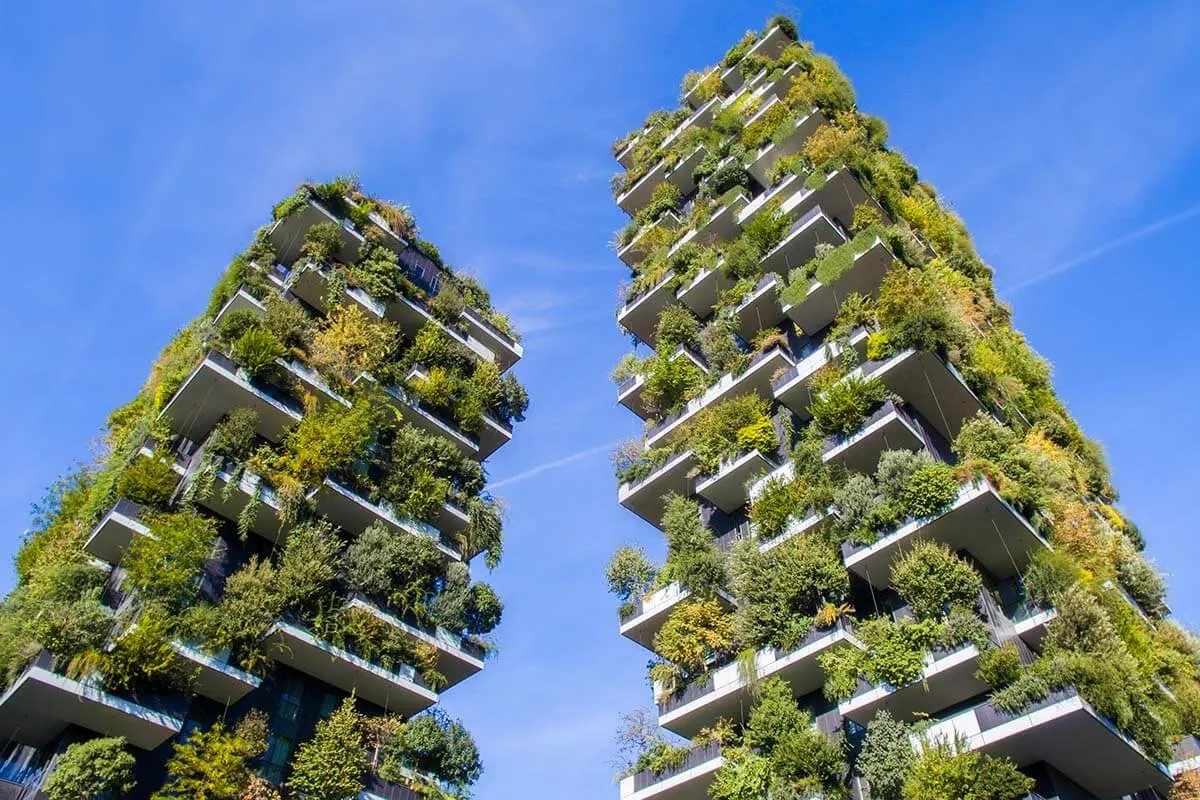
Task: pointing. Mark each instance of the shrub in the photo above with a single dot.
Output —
(778, 502)
(164, 567)
(322, 242)
(886, 757)
(843, 406)
(349, 343)
(215, 763)
(676, 326)
(433, 744)
(695, 631)
(670, 383)
(401, 569)
(782, 589)
(914, 312)
(999, 667)
(745, 775)
(692, 557)
(724, 429)
(1144, 584)
(629, 574)
(235, 435)
(932, 578)
(330, 765)
(664, 198)
(95, 768)
(941, 772)
(727, 177)
(256, 350)
(148, 481)
(767, 228)
(721, 349)
(929, 490)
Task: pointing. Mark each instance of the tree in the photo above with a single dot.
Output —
(886, 757)
(97, 768)
(330, 765)
(213, 764)
(944, 771)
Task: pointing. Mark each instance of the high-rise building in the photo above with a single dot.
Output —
(283, 519)
(893, 564)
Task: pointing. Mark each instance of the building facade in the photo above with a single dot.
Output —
(284, 518)
(894, 567)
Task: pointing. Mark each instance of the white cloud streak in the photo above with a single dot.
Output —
(1104, 249)
(555, 464)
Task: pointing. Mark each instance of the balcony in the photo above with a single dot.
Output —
(638, 195)
(768, 154)
(637, 249)
(820, 305)
(931, 386)
(1186, 757)
(794, 389)
(412, 411)
(639, 316)
(411, 316)
(494, 433)
(268, 521)
(691, 98)
(755, 379)
(630, 392)
(770, 45)
(760, 310)
(1066, 732)
(646, 618)
(242, 301)
(216, 678)
(727, 487)
(505, 350)
(721, 226)
(115, 531)
(800, 244)
(726, 693)
(644, 497)
(287, 235)
(701, 292)
(890, 427)
(948, 678)
(625, 156)
(41, 703)
(354, 513)
(689, 781)
(1030, 624)
(979, 521)
(699, 118)
(457, 658)
(216, 387)
(397, 691)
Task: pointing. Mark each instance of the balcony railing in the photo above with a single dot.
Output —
(698, 756)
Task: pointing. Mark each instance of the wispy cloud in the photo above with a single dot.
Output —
(555, 464)
(1104, 249)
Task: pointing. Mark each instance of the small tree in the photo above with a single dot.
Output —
(931, 577)
(330, 765)
(213, 764)
(886, 757)
(630, 574)
(97, 768)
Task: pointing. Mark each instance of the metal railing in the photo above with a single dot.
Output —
(697, 756)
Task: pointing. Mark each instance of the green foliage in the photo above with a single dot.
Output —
(256, 350)
(915, 313)
(629, 573)
(767, 228)
(942, 771)
(670, 383)
(250, 605)
(142, 657)
(695, 632)
(234, 436)
(96, 768)
(929, 490)
(721, 349)
(214, 764)
(842, 407)
(148, 481)
(435, 745)
(330, 765)
(1144, 584)
(782, 589)
(999, 667)
(723, 430)
(887, 756)
(322, 242)
(932, 578)
(895, 655)
(163, 567)
(692, 557)
(664, 198)
(745, 775)
(676, 326)
(777, 504)
(400, 569)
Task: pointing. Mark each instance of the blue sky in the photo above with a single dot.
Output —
(145, 143)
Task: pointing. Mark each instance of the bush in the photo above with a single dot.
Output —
(692, 557)
(670, 383)
(164, 567)
(235, 435)
(436, 745)
(215, 762)
(778, 503)
(999, 667)
(676, 326)
(932, 578)
(725, 429)
(842, 407)
(148, 481)
(322, 242)
(929, 491)
(256, 350)
(664, 198)
(629, 574)
(91, 769)
(1144, 584)
(941, 772)
(330, 765)
(695, 631)
(886, 757)
(767, 229)
(721, 349)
